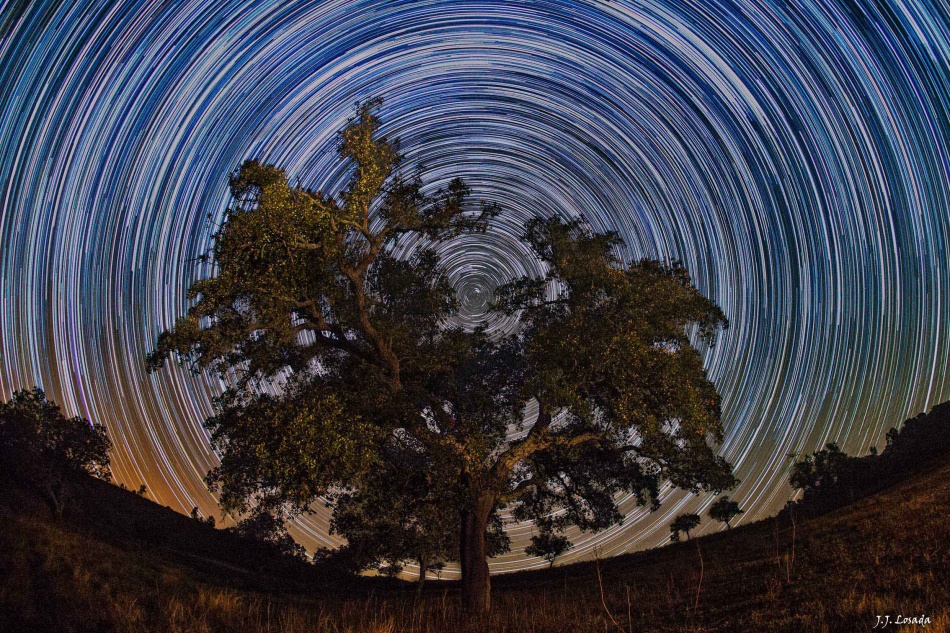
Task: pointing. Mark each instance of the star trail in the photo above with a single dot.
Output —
(793, 155)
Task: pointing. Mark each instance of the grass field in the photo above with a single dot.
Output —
(888, 554)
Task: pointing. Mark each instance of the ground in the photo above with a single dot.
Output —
(884, 555)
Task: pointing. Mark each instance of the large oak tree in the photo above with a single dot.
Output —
(339, 354)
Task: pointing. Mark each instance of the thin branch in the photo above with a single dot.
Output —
(515, 492)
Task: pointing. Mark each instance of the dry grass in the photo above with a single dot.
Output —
(885, 555)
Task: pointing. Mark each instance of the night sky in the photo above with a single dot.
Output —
(794, 155)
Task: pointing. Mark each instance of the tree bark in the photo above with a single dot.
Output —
(476, 583)
(57, 499)
(423, 569)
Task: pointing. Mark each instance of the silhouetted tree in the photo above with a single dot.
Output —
(724, 509)
(196, 515)
(308, 295)
(548, 546)
(395, 514)
(683, 524)
(822, 469)
(40, 444)
(342, 560)
(270, 530)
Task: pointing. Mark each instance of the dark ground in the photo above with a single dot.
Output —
(878, 546)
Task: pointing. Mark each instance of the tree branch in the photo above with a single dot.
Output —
(515, 492)
(383, 347)
(535, 440)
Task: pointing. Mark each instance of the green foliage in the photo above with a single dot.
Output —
(683, 524)
(343, 368)
(820, 470)
(399, 513)
(45, 447)
(724, 509)
(548, 546)
(285, 451)
(396, 513)
(610, 354)
(302, 277)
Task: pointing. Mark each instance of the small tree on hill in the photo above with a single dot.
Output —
(724, 509)
(548, 546)
(40, 444)
(197, 516)
(683, 524)
(309, 298)
(820, 470)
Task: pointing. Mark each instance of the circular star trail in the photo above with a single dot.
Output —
(793, 155)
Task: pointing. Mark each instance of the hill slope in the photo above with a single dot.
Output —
(887, 554)
(119, 562)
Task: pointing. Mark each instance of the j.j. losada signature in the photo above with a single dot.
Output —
(883, 621)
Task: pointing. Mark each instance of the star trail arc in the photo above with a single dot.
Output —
(793, 155)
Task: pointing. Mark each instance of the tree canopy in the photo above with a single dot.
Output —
(548, 546)
(683, 524)
(39, 443)
(343, 365)
(724, 510)
(821, 469)
(269, 530)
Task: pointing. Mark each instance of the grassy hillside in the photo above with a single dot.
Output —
(118, 562)
(887, 554)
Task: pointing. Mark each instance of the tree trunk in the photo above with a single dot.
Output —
(476, 584)
(423, 568)
(57, 500)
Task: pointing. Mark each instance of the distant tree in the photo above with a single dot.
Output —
(724, 509)
(45, 447)
(891, 436)
(548, 546)
(269, 530)
(309, 297)
(142, 491)
(196, 515)
(820, 470)
(683, 524)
